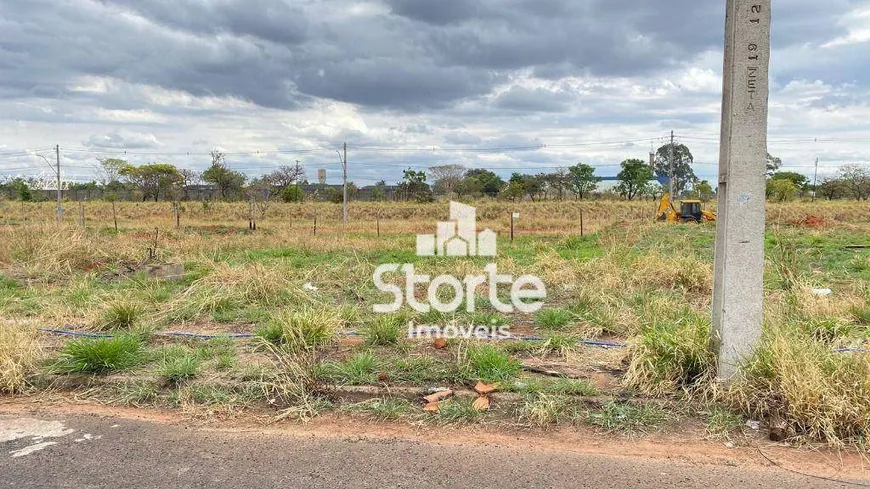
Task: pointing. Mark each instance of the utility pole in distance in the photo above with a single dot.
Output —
(671, 165)
(738, 279)
(343, 160)
(815, 180)
(298, 175)
(344, 200)
(59, 204)
(56, 170)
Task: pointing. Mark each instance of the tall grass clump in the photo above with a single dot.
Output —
(385, 330)
(100, 355)
(820, 394)
(179, 365)
(542, 409)
(121, 316)
(20, 352)
(227, 288)
(294, 387)
(302, 329)
(554, 319)
(671, 354)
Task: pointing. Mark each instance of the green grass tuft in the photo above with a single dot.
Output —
(628, 419)
(177, 368)
(545, 409)
(360, 369)
(305, 328)
(862, 314)
(671, 355)
(385, 409)
(385, 330)
(488, 363)
(722, 422)
(100, 355)
(121, 316)
(459, 411)
(554, 319)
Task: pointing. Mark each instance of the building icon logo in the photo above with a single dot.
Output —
(458, 236)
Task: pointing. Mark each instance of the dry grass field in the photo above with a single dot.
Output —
(306, 299)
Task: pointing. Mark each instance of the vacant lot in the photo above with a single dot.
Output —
(295, 334)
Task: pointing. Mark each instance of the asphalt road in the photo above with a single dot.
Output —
(88, 452)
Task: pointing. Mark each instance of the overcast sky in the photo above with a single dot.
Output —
(552, 82)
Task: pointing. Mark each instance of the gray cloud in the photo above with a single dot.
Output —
(122, 141)
(308, 74)
(537, 100)
(419, 55)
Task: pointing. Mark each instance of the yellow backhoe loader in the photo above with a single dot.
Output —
(690, 210)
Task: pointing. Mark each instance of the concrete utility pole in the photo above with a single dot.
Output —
(815, 180)
(344, 206)
(56, 170)
(298, 175)
(59, 204)
(738, 291)
(671, 165)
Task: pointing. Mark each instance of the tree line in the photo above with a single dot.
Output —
(636, 179)
(850, 182)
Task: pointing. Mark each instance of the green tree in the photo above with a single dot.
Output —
(336, 195)
(534, 185)
(109, 170)
(704, 190)
(513, 191)
(153, 180)
(583, 180)
(468, 187)
(782, 190)
(379, 192)
(414, 186)
(292, 193)
(801, 182)
(634, 178)
(229, 183)
(491, 184)
(683, 160)
(558, 181)
(773, 164)
(21, 188)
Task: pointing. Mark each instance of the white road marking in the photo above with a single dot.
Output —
(32, 448)
(12, 428)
